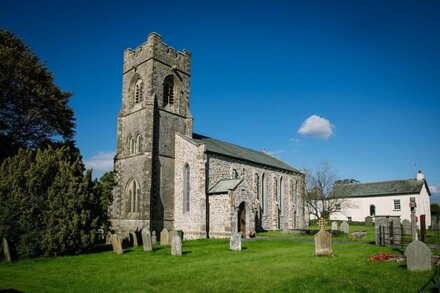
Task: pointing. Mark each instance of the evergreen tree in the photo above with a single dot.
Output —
(33, 111)
(103, 188)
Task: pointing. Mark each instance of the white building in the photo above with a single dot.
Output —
(387, 198)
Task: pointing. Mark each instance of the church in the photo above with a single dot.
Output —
(169, 177)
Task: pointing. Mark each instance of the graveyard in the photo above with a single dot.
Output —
(210, 265)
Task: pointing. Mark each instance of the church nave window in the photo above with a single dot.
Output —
(133, 196)
(186, 189)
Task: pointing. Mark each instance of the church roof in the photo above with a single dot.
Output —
(238, 152)
(395, 187)
(224, 185)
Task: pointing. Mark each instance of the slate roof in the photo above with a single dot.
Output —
(395, 187)
(238, 152)
(224, 185)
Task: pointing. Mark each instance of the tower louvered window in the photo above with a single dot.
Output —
(138, 91)
(168, 91)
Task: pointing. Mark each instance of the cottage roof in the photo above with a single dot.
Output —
(238, 152)
(223, 186)
(385, 188)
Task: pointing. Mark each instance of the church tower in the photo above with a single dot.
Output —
(155, 105)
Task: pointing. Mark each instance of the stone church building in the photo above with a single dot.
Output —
(169, 177)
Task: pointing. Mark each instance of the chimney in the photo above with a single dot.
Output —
(420, 176)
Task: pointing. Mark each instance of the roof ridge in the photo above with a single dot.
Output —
(236, 145)
(375, 182)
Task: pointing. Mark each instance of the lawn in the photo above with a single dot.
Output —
(208, 265)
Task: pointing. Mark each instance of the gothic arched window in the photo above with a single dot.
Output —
(186, 188)
(132, 145)
(257, 186)
(372, 210)
(263, 193)
(168, 91)
(138, 147)
(133, 193)
(281, 196)
(138, 91)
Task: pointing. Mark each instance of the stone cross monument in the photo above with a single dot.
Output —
(323, 240)
(413, 205)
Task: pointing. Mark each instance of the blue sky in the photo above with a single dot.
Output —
(367, 72)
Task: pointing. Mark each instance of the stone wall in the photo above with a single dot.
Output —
(192, 222)
(220, 215)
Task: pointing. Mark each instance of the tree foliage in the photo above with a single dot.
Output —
(47, 203)
(319, 197)
(103, 189)
(33, 110)
(347, 181)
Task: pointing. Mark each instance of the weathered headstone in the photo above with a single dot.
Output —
(146, 240)
(6, 250)
(176, 245)
(171, 234)
(154, 238)
(334, 226)
(345, 227)
(133, 239)
(369, 221)
(323, 241)
(164, 237)
(406, 224)
(235, 242)
(418, 256)
(116, 243)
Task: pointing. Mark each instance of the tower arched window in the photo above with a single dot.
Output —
(138, 146)
(132, 145)
(138, 91)
(133, 193)
(186, 188)
(169, 92)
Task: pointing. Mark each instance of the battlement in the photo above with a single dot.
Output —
(155, 48)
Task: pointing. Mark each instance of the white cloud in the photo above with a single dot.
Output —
(434, 188)
(317, 127)
(103, 161)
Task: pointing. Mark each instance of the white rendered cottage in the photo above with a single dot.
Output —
(387, 198)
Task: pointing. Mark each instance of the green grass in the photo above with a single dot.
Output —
(343, 237)
(208, 265)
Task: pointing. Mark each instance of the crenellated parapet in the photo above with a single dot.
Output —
(158, 50)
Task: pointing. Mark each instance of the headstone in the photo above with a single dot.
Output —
(369, 221)
(418, 256)
(116, 243)
(323, 241)
(406, 224)
(146, 240)
(154, 238)
(345, 227)
(171, 234)
(164, 237)
(235, 242)
(133, 239)
(176, 245)
(334, 226)
(6, 250)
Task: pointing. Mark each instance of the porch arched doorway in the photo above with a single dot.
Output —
(242, 219)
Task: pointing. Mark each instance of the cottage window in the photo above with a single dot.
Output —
(397, 204)
(373, 210)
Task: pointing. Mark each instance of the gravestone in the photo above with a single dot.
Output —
(323, 241)
(164, 237)
(116, 244)
(235, 242)
(154, 238)
(388, 230)
(406, 224)
(345, 227)
(171, 234)
(369, 221)
(176, 245)
(180, 233)
(418, 256)
(6, 250)
(146, 240)
(133, 239)
(334, 226)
